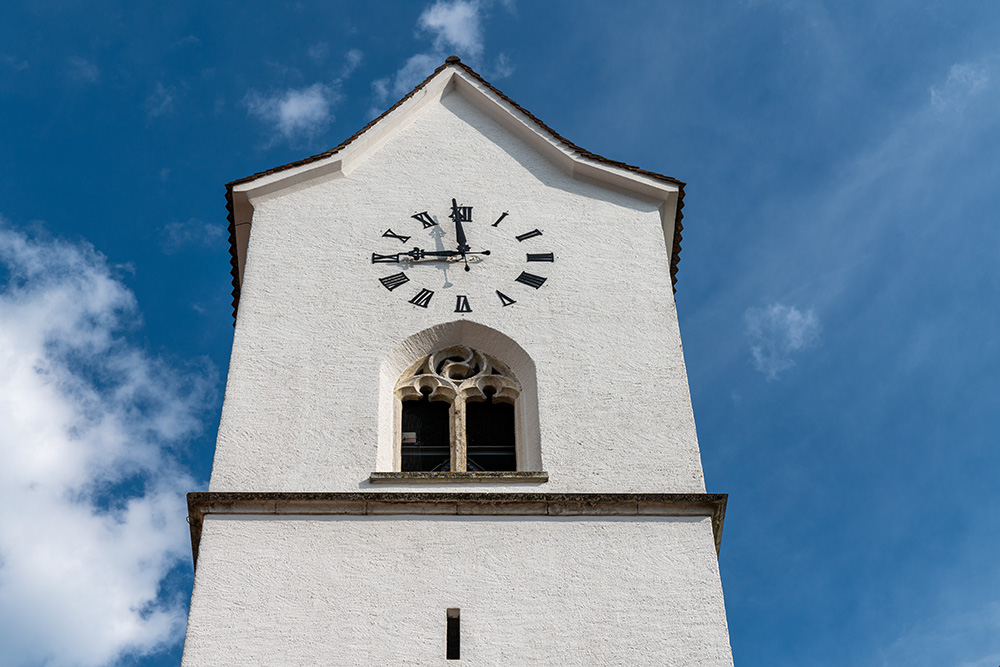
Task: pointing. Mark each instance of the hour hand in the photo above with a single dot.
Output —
(434, 253)
(415, 254)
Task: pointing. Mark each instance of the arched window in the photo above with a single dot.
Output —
(459, 413)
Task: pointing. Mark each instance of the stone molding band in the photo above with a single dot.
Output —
(483, 476)
(234, 503)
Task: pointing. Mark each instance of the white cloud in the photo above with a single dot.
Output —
(187, 41)
(294, 113)
(455, 28)
(82, 69)
(964, 81)
(416, 69)
(961, 637)
(16, 64)
(351, 61)
(455, 25)
(502, 67)
(92, 510)
(776, 334)
(882, 190)
(380, 96)
(298, 114)
(160, 101)
(318, 51)
(194, 232)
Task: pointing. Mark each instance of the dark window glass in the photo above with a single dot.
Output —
(454, 635)
(426, 442)
(489, 430)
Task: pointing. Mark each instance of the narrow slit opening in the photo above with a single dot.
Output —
(454, 634)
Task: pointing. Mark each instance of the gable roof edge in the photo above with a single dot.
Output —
(451, 61)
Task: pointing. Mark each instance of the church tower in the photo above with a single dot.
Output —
(457, 424)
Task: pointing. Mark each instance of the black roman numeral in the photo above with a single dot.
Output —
(394, 281)
(425, 219)
(505, 300)
(502, 216)
(422, 298)
(384, 259)
(528, 235)
(530, 279)
(460, 213)
(393, 235)
(541, 257)
(462, 304)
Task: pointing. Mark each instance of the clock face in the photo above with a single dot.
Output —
(461, 250)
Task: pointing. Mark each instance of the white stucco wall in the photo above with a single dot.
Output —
(532, 591)
(302, 410)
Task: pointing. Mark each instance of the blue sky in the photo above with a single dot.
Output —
(837, 292)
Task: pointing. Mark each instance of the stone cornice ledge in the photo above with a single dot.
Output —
(463, 504)
(519, 477)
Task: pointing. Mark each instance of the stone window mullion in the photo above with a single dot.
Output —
(458, 435)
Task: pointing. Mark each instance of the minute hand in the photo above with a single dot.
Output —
(459, 230)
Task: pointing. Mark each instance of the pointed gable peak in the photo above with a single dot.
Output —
(452, 76)
(455, 76)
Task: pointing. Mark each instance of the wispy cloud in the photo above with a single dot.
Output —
(81, 69)
(874, 221)
(318, 51)
(777, 334)
(193, 233)
(455, 28)
(352, 59)
(186, 41)
(965, 638)
(16, 64)
(454, 25)
(415, 70)
(91, 499)
(161, 101)
(964, 81)
(294, 113)
(502, 67)
(300, 114)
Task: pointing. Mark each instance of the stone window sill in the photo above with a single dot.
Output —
(520, 477)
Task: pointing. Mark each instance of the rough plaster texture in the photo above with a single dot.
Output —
(309, 407)
(318, 338)
(532, 591)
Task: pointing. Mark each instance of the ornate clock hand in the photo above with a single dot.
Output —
(456, 215)
(414, 254)
(417, 253)
(463, 247)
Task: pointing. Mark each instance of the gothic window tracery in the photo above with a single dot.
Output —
(458, 413)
